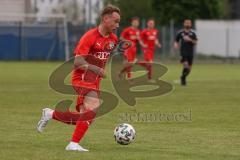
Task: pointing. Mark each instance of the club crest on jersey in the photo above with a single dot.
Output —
(109, 46)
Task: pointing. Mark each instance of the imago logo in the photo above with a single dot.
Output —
(109, 101)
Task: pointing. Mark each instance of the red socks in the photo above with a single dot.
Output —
(128, 70)
(80, 129)
(82, 121)
(66, 117)
(148, 66)
(82, 125)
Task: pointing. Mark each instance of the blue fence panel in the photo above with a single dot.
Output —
(42, 43)
(10, 43)
(32, 42)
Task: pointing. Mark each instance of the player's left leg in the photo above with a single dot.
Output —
(130, 56)
(88, 111)
(149, 67)
(187, 63)
(148, 60)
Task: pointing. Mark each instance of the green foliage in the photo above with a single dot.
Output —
(178, 10)
(164, 11)
(131, 8)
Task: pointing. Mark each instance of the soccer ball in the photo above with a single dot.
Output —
(124, 134)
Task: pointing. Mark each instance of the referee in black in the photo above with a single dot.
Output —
(186, 39)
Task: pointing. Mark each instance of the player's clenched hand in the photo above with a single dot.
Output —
(176, 46)
(159, 45)
(144, 45)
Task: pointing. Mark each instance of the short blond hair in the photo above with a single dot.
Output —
(109, 9)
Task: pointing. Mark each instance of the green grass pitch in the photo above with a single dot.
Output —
(213, 95)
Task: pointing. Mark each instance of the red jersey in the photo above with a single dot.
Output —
(131, 34)
(149, 36)
(96, 50)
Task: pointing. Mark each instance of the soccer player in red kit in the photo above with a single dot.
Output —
(91, 55)
(149, 36)
(132, 34)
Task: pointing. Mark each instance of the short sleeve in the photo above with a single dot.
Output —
(84, 45)
(194, 36)
(178, 36)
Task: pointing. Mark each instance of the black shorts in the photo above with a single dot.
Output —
(187, 57)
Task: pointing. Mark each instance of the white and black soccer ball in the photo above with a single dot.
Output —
(124, 134)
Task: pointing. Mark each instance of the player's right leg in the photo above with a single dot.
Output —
(147, 63)
(130, 56)
(186, 69)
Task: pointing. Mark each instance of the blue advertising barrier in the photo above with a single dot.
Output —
(32, 42)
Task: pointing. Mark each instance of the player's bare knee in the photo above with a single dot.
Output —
(91, 101)
(185, 64)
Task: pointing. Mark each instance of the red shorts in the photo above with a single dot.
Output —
(148, 54)
(130, 54)
(82, 88)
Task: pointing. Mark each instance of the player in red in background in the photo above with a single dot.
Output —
(91, 55)
(132, 34)
(149, 36)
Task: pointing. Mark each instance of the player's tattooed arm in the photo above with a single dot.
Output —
(80, 62)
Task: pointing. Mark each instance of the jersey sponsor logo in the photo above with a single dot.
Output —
(101, 55)
(151, 37)
(133, 37)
